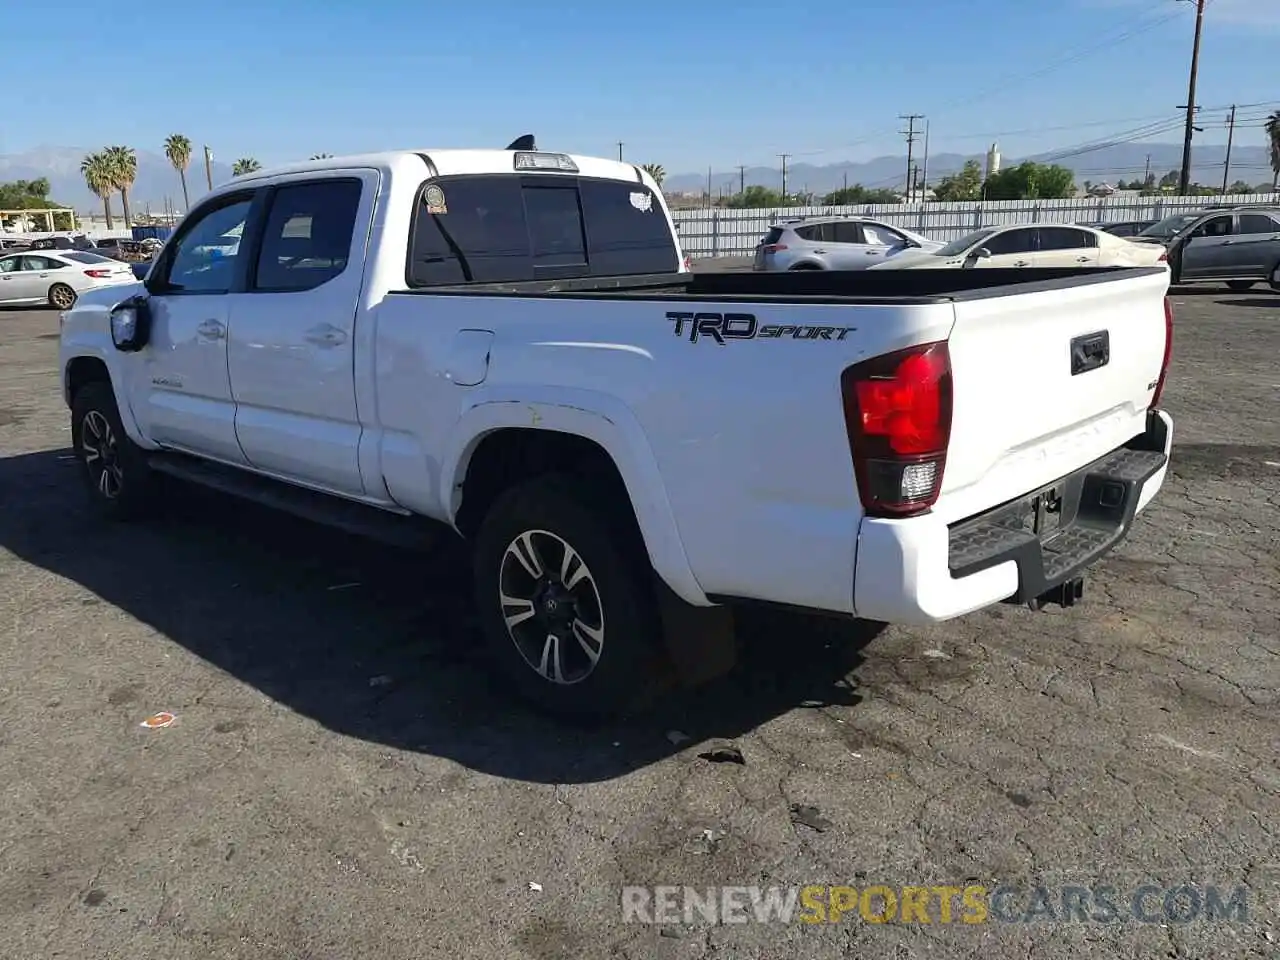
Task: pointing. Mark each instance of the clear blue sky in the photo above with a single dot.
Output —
(681, 83)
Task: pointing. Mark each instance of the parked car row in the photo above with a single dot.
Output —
(56, 277)
(1239, 246)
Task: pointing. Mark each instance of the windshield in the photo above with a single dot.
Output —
(79, 256)
(1170, 225)
(957, 247)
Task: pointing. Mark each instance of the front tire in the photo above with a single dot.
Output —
(1275, 278)
(1240, 285)
(119, 481)
(62, 297)
(565, 598)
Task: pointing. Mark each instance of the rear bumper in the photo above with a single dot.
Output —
(922, 570)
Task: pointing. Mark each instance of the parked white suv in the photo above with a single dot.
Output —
(834, 243)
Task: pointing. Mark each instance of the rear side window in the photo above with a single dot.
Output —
(308, 233)
(772, 237)
(508, 229)
(1258, 223)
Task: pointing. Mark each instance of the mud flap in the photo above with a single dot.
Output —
(700, 642)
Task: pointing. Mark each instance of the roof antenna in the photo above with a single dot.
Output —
(523, 143)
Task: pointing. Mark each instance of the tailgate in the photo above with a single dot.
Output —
(1022, 418)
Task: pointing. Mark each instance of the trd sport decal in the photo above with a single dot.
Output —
(723, 327)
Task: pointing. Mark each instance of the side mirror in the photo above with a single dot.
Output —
(982, 253)
(131, 324)
(909, 244)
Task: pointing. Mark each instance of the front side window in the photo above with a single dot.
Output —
(10, 264)
(1214, 227)
(204, 259)
(961, 245)
(308, 233)
(1010, 242)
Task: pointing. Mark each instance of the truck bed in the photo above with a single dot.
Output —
(863, 286)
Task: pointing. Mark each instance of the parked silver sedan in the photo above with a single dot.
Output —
(834, 243)
(1240, 247)
(56, 277)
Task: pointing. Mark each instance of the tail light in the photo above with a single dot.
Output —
(773, 247)
(1168, 354)
(897, 410)
(98, 274)
(688, 263)
(1164, 257)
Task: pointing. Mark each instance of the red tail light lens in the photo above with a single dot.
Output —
(98, 274)
(897, 411)
(1168, 354)
(774, 247)
(688, 263)
(1163, 258)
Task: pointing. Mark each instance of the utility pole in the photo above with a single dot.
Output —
(924, 175)
(1184, 177)
(742, 180)
(1231, 133)
(785, 157)
(1146, 176)
(208, 166)
(846, 180)
(619, 151)
(709, 203)
(910, 134)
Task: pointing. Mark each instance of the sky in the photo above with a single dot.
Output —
(680, 84)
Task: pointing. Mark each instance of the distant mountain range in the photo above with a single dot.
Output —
(1124, 161)
(157, 179)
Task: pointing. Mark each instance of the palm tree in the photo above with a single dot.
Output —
(1273, 142)
(245, 165)
(178, 149)
(321, 156)
(655, 170)
(123, 164)
(97, 177)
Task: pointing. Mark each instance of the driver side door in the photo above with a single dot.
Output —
(182, 392)
(1012, 248)
(1204, 252)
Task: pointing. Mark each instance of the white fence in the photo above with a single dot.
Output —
(717, 232)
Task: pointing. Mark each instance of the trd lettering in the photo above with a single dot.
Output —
(723, 327)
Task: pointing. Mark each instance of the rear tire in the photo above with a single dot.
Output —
(1240, 285)
(119, 482)
(1275, 278)
(62, 297)
(805, 266)
(565, 598)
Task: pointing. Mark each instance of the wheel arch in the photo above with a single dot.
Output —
(500, 441)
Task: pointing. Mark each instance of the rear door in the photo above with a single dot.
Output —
(290, 349)
(1256, 250)
(1032, 401)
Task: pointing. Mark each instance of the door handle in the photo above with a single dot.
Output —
(819, 251)
(1020, 263)
(211, 329)
(326, 336)
(1082, 259)
(1226, 243)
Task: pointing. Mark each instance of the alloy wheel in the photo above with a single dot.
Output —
(101, 452)
(552, 608)
(63, 297)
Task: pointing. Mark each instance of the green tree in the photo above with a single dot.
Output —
(178, 149)
(1272, 128)
(97, 177)
(245, 165)
(1170, 179)
(755, 197)
(34, 195)
(123, 164)
(1031, 181)
(965, 185)
(1239, 187)
(656, 171)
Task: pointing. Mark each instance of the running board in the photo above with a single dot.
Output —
(408, 531)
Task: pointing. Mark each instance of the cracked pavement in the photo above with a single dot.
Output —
(344, 781)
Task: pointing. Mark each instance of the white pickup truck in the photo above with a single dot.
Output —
(509, 343)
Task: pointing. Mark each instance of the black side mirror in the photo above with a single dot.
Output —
(982, 253)
(131, 324)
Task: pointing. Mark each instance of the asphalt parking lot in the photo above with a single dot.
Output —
(343, 781)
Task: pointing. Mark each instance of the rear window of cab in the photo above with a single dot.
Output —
(509, 228)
